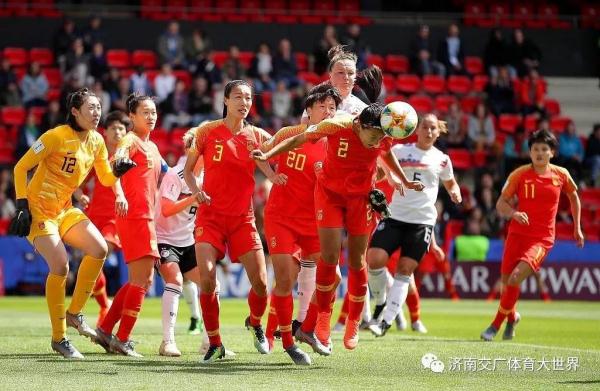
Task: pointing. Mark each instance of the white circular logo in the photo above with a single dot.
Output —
(437, 366)
(427, 359)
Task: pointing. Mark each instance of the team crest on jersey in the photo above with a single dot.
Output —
(42, 225)
(555, 181)
(164, 253)
(198, 231)
(273, 242)
(320, 214)
(381, 226)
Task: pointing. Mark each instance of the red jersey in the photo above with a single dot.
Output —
(538, 196)
(349, 167)
(296, 198)
(102, 203)
(228, 167)
(141, 182)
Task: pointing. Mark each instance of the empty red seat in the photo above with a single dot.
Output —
(16, 56)
(394, 98)
(396, 63)
(473, 13)
(522, 13)
(590, 198)
(13, 116)
(480, 82)
(182, 74)
(552, 106)
(38, 113)
(459, 84)
(118, 58)
(421, 103)
(443, 102)
(42, 56)
(530, 123)
(246, 58)
(375, 59)
(558, 124)
(145, 58)
(309, 77)
(349, 6)
(590, 16)
(461, 158)
(301, 61)
(468, 103)
(219, 58)
(54, 77)
(434, 84)
(474, 65)
(548, 13)
(408, 84)
(509, 122)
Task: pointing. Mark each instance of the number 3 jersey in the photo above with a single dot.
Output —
(176, 230)
(419, 165)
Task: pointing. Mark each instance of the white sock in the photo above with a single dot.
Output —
(389, 281)
(396, 297)
(377, 284)
(190, 294)
(366, 313)
(170, 304)
(306, 287)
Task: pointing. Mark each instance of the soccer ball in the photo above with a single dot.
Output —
(399, 119)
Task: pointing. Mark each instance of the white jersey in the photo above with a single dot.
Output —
(351, 105)
(176, 230)
(428, 167)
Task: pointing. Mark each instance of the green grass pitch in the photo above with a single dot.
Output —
(549, 335)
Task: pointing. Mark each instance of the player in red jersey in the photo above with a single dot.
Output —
(536, 188)
(341, 201)
(101, 208)
(225, 219)
(135, 227)
(290, 224)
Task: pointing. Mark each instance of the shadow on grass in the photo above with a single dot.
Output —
(222, 367)
(580, 382)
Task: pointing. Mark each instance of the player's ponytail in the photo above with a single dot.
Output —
(74, 101)
(229, 87)
(370, 81)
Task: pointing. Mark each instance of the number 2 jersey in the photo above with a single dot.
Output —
(176, 230)
(419, 165)
(63, 161)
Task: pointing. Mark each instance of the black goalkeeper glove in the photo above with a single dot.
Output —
(379, 203)
(121, 165)
(21, 223)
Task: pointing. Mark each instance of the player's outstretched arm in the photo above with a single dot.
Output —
(189, 178)
(453, 190)
(284, 146)
(390, 160)
(576, 213)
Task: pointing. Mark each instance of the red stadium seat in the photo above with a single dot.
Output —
(522, 13)
(16, 56)
(146, 58)
(480, 82)
(530, 123)
(182, 74)
(590, 16)
(42, 56)
(396, 63)
(559, 124)
(461, 158)
(552, 106)
(301, 61)
(473, 13)
(54, 77)
(468, 103)
(13, 116)
(460, 85)
(350, 7)
(309, 77)
(246, 58)
(38, 113)
(590, 198)
(509, 122)
(375, 59)
(324, 7)
(434, 84)
(267, 101)
(421, 103)
(394, 98)
(53, 94)
(408, 84)
(389, 81)
(549, 14)
(151, 9)
(118, 58)
(443, 102)
(4, 224)
(219, 58)
(474, 65)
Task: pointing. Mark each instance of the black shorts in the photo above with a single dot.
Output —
(184, 256)
(412, 239)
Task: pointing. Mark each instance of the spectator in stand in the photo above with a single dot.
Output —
(486, 197)
(327, 41)
(207, 69)
(592, 155)
(282, 106)
(200, 102)
(139, 81)
(533, 93)
(421, 61)
(103, 97)
(516, 150)
(77, 62)
(7, 207)
(500, 93)
(261, 69)
(34, 87)
(284, 64)
(7, 75)
(11, 96)
(525, 54)
(170, 47)
(62, 42)
(52, 117)
(164, 83)
(94, 33)
(456, 124)
(570, 151)
(197, 46)
(496, 54)
(481, 129)
(175, 107)
(70, 85)
(7, 186)
(356, 44)
(120, 98)
(28, 134)
(99, 69)
(111, 84)
(233, 69)
(451, 52)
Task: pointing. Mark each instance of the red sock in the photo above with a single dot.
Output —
(272, 319)
(131, 309)
(308, 326)
(344, 310)
(99, 291)
(545, 296)
(325, 281)
(210, 315)
(508, 299)
(284, 309)
(114, 313)
(449, 286)
(413, 302)
(357, 290)
(511, 317)
(258, 306)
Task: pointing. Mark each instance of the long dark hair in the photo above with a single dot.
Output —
(229, 87)
(134, 100)
(76, 100)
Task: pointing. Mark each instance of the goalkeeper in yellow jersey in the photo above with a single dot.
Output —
(64, 157)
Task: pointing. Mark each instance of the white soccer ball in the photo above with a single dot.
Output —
(399, 119)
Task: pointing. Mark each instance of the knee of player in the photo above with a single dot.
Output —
(208, 285)
(260, 287)
(330, 257)
(100, 251)
(406, 268)
(284, 284)
(513, 279)
(375, 258)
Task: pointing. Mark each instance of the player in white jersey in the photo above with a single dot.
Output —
(410, 227)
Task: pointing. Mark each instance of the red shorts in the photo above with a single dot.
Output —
(393, 262)
(285, 235)
(107, 226)
(430, 264)
(236, 234)
(523, 248)
(343, 211)
(138, 238)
